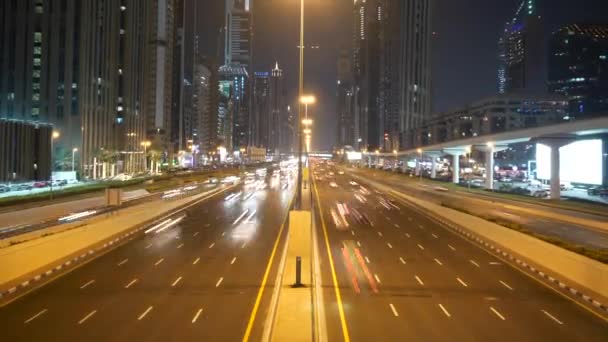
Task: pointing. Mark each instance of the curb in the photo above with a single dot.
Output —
(88, 254)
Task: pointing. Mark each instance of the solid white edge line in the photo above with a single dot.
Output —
(395, 313)
(198, 313)
(35, 316)
(87, 317)
(445, 311)
(552, 317)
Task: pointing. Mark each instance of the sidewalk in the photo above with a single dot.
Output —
(34, 258)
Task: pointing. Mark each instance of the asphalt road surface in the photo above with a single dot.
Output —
(402, 277)
(197, 280)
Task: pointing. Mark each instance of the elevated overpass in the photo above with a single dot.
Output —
(554, 136)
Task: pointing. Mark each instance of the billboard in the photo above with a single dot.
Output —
(580, 162)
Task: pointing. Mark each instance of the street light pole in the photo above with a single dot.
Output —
(300, 90)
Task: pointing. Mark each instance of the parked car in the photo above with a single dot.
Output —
(20, 187)
(598, 191)
(42, 184)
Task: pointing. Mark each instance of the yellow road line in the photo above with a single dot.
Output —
(258, 299)
(333, 270)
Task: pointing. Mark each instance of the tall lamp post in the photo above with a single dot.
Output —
(74, 150)
(300, 91)
(55, 135)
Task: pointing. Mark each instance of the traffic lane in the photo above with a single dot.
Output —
(237, 284)
(366, 315)
(190, 303)
(133, 263)
(377, 315)
(111, 273)
(418, 305)
(576, 233)
(486, 274)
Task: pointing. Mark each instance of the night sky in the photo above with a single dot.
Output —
(464, 48)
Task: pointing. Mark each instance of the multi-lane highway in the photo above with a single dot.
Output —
(195, 280)
(402, 277)
(576, 227)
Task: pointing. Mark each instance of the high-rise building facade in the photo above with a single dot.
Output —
(522, 52)
(160, 54)
(578, 67)
(413, 77)
(260, 111)
(366, 72)
(39, 66)
(210, 126)
(78, 65)
(276, 110)
(345, 134)
(238, 33)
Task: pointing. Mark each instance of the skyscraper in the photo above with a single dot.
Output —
(578, 67)
(208, 100)
(260, 111)
(39, 67)
(238, 32)
(413, 76)
(161, 26)
(366, 62)
(522, 52)
(345, 134)
(277, 113)
(67, 63)
(234, 74)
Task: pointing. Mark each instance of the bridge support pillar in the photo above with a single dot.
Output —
(456, 153)
(555, 143)
(489, 149)
(434, 155)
